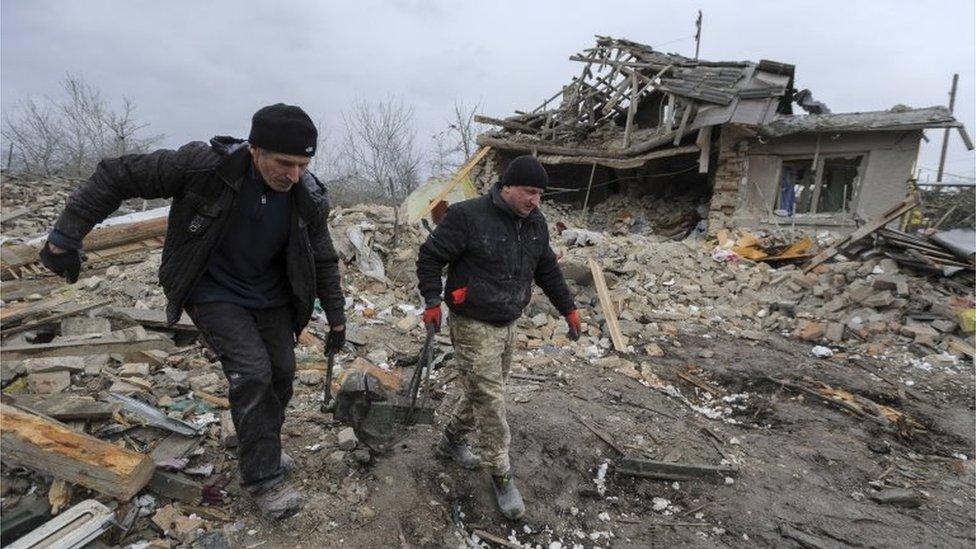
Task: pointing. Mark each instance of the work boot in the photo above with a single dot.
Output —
(287, 462)
(459, 452)
(508, 497)
(280, 502)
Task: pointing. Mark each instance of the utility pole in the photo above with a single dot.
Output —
(698, 23)
(945, 136)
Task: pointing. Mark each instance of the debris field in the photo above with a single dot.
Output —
(724, 393)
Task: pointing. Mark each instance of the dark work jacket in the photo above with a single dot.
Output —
(493, 257)
(203, 181)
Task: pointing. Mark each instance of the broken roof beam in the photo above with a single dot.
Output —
(507, 124)
(538, 147)
(619, 163)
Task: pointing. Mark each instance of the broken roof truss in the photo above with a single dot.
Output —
(597, 112)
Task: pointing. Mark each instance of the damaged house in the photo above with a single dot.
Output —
(640, 122)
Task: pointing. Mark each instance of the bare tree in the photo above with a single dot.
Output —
(456, 143)
(36, 134)
(71, 134)
(380, 151)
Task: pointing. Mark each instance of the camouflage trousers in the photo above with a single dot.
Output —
(484, 354)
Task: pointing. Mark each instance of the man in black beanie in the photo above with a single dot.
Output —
(247, 252)
(494, 248)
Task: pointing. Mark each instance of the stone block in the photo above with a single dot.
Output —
(347, 439)
(81, 325)
(835, 332)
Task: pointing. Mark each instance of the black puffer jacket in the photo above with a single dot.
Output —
(203, 181)
(493, 257)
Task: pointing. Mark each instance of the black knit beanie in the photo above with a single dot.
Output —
(283, 129)
(525, 171)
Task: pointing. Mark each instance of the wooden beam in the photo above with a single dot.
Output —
(619, 163)
(54, 449)
(704, 143)
(65, 407)
(684, 123)
(878, 222)
(100, 346)
(631, 109)
(20, 311)
(608, 152)
(609, 313)
(507, 124)
(464, 171)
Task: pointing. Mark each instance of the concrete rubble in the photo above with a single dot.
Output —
(865, 341)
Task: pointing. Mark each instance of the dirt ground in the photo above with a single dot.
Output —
(806, 468)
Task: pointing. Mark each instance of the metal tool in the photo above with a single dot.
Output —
(421, 371)
(328, 401)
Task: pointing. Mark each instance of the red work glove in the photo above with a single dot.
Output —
(432, 316)
(573, 319)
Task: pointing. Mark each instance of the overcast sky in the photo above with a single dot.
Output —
(197, 69)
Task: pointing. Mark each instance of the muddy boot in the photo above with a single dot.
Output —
(287, 462)
(459, 452)
(508, 497)
(280, 502)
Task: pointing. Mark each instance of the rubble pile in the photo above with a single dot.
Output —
(30, 205)
(97, 357)
(668, 217)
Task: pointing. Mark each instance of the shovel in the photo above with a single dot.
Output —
(328, 401)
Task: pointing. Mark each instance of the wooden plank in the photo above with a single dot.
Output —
(84, 347)
(631, 109)
(104, 238)
(461, 174)
(65, 407)
(20, 311)
(684, 123)
(606, 304)
(228, 432)
(126, 233)
(870, 227)
(54, 449)
(704, 143)
(71, 311)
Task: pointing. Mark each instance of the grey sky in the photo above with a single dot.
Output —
(196, 69)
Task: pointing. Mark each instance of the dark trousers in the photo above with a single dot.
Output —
(256, 348)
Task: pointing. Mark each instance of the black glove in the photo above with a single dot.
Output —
(66, 263)
(335, 341)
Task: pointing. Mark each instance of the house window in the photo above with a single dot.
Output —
(829, 189)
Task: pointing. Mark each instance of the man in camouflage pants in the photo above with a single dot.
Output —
(495, 247)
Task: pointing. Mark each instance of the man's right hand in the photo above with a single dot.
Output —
(432, 316)
(66, 263)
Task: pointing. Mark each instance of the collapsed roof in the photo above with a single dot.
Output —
(630, 99)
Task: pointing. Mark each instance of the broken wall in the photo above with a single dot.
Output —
(729, 176)
(749, 172)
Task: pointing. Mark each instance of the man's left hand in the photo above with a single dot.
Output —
(336, 339)
(573, 320)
